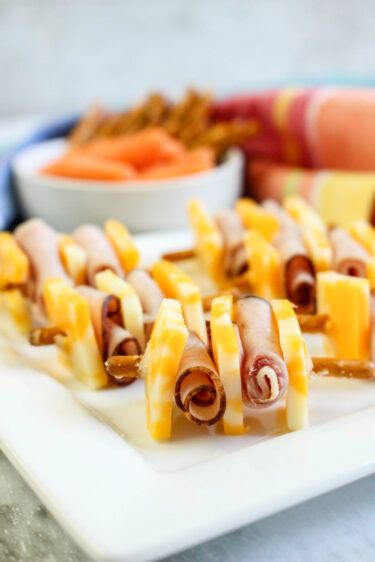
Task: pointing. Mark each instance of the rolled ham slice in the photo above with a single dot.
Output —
(111, 337)
(120, 342)
(278, 212)
(349, 257)
(263, 369)
(148, 291)
(100, 254)
(299, 273)
(40, 242)
(233, 232)
(199, 392)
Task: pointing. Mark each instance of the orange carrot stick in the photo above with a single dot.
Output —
(77, 165)
(191, 162)
(140, 150)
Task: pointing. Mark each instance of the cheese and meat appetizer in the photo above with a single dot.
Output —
(123, 244)
(69, 314)
(208, 240)
(345, 300)
(199, 392)
(131, 308)
(298, 362)
(265, 273)
(227, 355)
(256, 217)
(175, 283)
(111, 336)
(14, 274)
(40, 243)
(160, 364)
(73, 258)
(233, 233)
(314, 231)
(349, 256)
(299, 273)
(264, 373)
(14, 264)
(148, 291)
(99, 252)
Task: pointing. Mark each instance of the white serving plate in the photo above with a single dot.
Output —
(142, 205)
(123, 498)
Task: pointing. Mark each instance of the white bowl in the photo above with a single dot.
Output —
(142, 205)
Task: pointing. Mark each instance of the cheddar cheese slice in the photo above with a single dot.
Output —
(302, 213)
(294, 352)
(70, 312)
(226, 353)
(318, 247)
(15, 318)
(346, 302)
(131, 308)
(176, 284)
(254, 217)
(364, 233)
(265, 268)
(208, 240)
(73, 258)
(163, 354)
(370, 272)
(123, 244)
(14, 265)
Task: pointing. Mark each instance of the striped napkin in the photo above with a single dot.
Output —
(316, 142)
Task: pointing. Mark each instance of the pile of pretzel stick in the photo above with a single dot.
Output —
(280, 273)
(188, 120)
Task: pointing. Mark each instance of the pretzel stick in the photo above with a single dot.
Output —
(312, 323)
(180, 255)
(149, 113)
(177, 114)
(157, 109)
(126, 120)
(350, 368)
(87, 127)
(120, 366)
(133, 120)
(196, 120)
(45, 336)
(108, 126)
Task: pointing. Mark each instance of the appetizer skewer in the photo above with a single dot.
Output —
(276, 251)
(264, 373)
(131, 323)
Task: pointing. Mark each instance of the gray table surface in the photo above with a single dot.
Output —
(337, 527)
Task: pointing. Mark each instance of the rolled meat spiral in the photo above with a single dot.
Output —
(299, 273)
(100, 254)
(111, 337)
(148, 291)
(263, 370)
(233, 232)
(349, 257)
(199, 392)
(40, 242)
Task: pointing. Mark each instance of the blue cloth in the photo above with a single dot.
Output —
(9, 209)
